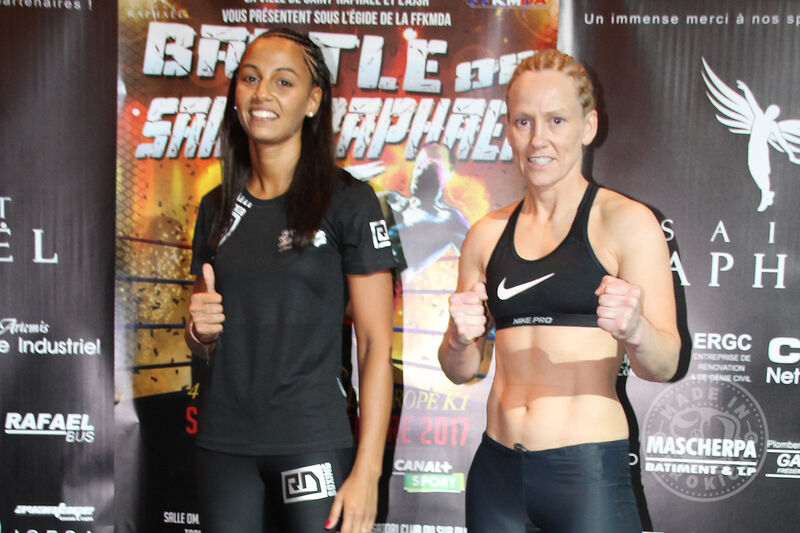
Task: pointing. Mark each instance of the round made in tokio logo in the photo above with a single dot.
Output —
(704, 442)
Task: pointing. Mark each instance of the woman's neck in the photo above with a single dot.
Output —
(273, 168)
(546, 204)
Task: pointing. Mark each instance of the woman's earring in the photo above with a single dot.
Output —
(310, 114)
(235, 108)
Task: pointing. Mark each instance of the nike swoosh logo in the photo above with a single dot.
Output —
(505, 293)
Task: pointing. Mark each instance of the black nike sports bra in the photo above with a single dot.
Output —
(555, 290)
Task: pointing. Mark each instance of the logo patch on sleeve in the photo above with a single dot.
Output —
(380, 234)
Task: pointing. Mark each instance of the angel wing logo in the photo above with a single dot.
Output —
(742, 115)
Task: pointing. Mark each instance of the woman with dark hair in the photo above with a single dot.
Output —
(573, 276)
(280, 249)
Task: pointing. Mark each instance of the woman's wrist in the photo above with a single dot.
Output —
(196, 337)
(455, 343)
(206, 346)
(368, 469)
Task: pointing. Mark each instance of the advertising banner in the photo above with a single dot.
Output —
(701, 110)
(700, 120)
(56, 266)
(419, 110)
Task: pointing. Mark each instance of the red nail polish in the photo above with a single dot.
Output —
(327, 524)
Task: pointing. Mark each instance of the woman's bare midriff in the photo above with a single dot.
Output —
(556, 387)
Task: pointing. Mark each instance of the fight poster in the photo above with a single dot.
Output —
(702, 124)
(418, 113)
(57, 121)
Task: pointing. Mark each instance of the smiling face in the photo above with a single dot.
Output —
(274, 91)
(547, 128)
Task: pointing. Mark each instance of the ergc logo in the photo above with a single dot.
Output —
(74, 427)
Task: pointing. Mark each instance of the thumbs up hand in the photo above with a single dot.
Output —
(208, 277)
(205, 309)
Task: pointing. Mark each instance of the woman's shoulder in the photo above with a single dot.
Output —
(348, 188)
(622, 215)
(213, 197)
(495, 221)
(210, 202)
(484, 234)
(614, 205)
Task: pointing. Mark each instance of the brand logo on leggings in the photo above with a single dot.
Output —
(312, 482)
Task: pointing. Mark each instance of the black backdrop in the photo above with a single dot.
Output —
(57, 158)
(735, 266)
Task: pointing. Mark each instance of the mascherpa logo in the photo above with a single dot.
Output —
(743, 115)
(704, 442)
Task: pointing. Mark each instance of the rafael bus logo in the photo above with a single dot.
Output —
(743, 115)
(74, 427)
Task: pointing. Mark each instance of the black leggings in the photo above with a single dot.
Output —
(269, 493)
(576, 489)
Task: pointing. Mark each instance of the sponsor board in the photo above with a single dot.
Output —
(429, 476)
(784, 358)
(420, 482)
(721, 357)
(74, 427)
(11, 326)
(181, 518)
(783, 459)
(740, 110)
(704, 442)
(769, 271)
(62, 511)
(43, 251)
